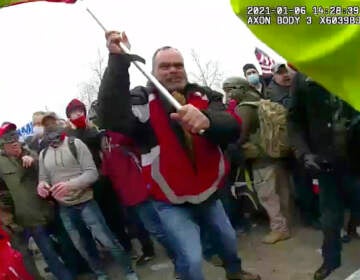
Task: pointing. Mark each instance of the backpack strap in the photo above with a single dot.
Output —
(250, 103)
(72, 147)
(44, 153)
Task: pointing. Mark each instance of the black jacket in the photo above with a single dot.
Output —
(116, 104)
(314, 118)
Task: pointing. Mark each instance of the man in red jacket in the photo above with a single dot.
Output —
(120, 163)
(182, 169)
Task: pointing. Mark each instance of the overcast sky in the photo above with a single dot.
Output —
(46, 49)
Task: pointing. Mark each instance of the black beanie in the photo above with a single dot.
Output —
(248, 66)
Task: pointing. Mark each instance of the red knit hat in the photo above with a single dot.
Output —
(6, 128)
(8, 133)
(73, 105)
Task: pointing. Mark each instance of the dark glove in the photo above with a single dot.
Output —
(234, 154)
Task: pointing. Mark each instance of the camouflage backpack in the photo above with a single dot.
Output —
(273, 127)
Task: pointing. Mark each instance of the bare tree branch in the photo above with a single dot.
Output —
(89, 89)
(208, 73)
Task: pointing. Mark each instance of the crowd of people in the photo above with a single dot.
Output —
(131, 166)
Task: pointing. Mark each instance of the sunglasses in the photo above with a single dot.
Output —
(11, 137)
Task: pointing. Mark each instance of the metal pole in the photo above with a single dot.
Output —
(141, 68)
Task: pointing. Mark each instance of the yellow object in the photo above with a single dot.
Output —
(328, 53)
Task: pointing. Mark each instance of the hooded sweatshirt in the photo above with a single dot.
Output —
(59, 165)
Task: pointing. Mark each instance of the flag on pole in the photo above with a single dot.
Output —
(265, 61)
(6, 3)
(328, 53)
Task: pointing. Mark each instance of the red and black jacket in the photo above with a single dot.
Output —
(143, 115)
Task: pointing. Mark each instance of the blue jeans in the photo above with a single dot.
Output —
(45, 245)
(152, 223)
(183, 225)
(90, 214)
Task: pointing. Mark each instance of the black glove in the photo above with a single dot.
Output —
(235, 155)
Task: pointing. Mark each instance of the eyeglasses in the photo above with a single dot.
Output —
(11, 137)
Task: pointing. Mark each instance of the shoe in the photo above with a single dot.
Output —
(145, 259)
(346, 238)
(352, 230)
(324, 271)
(131, 276)
(276, 236)
(216, 261)
(242, 275)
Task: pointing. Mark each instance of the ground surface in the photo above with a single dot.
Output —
(294, 259)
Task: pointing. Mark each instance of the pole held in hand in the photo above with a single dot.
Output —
(142, 69)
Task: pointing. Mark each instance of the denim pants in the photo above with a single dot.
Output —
(136, 226)
(152, 223)
(66, 249)
(183, 225)
(91, 215)
(46, 247)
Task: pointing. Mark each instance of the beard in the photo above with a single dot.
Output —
(175, 87)
(175, 83)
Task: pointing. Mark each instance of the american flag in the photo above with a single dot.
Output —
(265, 61)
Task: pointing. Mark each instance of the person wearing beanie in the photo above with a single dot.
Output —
(80, 128)
(253, 77)
(75, 105)
(18, 170)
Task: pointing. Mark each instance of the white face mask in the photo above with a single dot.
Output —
(38, 130)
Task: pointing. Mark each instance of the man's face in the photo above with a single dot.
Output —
(54, 136)
(227, 89)
(37, 120)
(77, 113)
(283, 77)
(250, 72)
(169, 70)
(13, 149)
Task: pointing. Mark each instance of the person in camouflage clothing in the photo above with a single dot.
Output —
(271, 179)
(18, 170)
